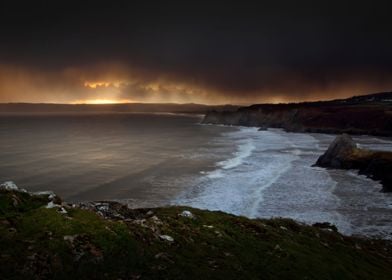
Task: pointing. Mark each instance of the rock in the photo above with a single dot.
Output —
(343, 153)
(208, 226)
(186, 214)
(164, 256)
(156, 220)
(103, 207)
(141, 222)
(326, 226)
(51, 205)
(70, 238)
(150, 213)
(338, 152)
(325, 244)
(166, 238)
(15, 201)
(62, 210)
(9, 186)
(51, 196)
(118, 216)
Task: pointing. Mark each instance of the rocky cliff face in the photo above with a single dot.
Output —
(285, 118)
(339, 153)
(354, 116)
(343, 153)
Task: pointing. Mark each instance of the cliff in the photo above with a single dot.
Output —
(44, 238)
(343, 153)
(371, 114)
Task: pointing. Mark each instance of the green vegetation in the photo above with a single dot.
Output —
(41, 243)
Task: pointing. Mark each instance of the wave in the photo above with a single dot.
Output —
(243, 152)
(236, 185)
(270, 174)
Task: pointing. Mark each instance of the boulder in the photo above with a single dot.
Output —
(338, 153)
(186, 214)
(167, 238)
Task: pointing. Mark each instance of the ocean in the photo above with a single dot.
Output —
(148, 160)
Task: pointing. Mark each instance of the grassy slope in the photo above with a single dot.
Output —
(32, 242)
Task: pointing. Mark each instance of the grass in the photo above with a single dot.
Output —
(41, 243)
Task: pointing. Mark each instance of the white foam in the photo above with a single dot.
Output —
(214, 174)
(236, 185)
(244, 151)
(271, 175)
(274, 176)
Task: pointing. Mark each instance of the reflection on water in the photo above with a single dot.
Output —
(110, 156)
(155, 159)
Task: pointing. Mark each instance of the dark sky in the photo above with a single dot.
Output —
(240, 53)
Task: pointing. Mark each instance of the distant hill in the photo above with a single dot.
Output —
(126, 107)
(367, 114)
(376, 98)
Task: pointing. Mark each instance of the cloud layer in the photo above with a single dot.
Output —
(52, 52)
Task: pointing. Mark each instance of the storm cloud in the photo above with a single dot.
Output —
(221, 53)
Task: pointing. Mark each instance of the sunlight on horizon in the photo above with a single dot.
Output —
(101, 101)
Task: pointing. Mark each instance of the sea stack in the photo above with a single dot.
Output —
(339, 153)
(343, 153)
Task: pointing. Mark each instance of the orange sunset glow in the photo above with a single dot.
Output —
(101, 101)
(105, 84)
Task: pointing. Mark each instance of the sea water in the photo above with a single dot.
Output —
(151, 160)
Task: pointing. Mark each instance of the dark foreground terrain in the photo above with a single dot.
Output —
(44, 238)
(368, 114)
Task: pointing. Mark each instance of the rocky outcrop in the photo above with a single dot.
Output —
(343, 153)
(108, 240)
(371, 116)
(339, 153)
(260, 118)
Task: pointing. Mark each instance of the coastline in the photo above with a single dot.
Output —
(235, 169)
(359, 115)
(218, 189)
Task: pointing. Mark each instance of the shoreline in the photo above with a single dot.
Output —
(243, 189)
(350, 222)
